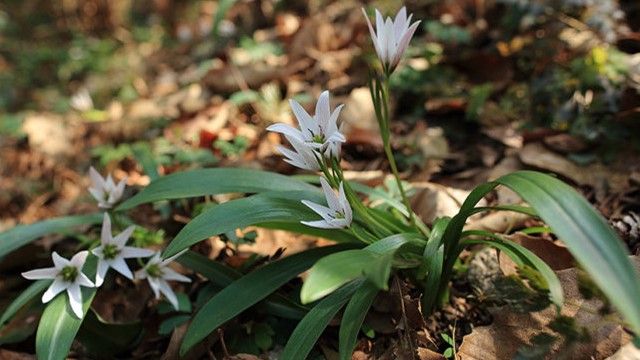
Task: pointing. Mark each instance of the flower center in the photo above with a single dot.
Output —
(69, 273)
(319, 139)
(154, 270)
(339, 215)
(110, 251)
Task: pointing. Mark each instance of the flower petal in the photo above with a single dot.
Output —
(103, 267)
(326, 213)
(319, 224)
(75, 299)
(287, 130)
(134, 252)
(170, 274)
(121, 266)
(105, 235)
(305, 120)
(96, 179)
(332, 199)
(37, 274)
(122, 238)
(323, 110)
(56, 288)
(59, 261)
(78, 259)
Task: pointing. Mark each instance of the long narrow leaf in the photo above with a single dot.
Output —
(222, 275)
(21, 235)
(353, 317)
(248, 290)
(214, 181)
(311, 327)
(229, 216)
(587, 236)
(35, 289)
(58, 324)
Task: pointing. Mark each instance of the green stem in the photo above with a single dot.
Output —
(387, 149)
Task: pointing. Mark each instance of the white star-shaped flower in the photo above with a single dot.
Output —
(391, 38)
(105, 190)
(318, 132)
(66, 275)
(112, 252)
(158, 273)
(338, 215)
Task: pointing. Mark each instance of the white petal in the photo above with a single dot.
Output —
(122, 238)
(117, 192)
(167, 261)
(169, 294)
(96, 179)
(319, 224)
(83, 280)
(121, 266)
(103, 267)
(37, 274)
(75, 299)
(133, 252)
(78, 259)
(106, 229)
(332, 199)
(403, 44)
(332, 126)
(326, 213)
(399, 24)
(304, 119)
(323, 110)
(59, 261)
(109, 184)
(390, 45)
(97, 193)
(56, 287)
(170, 274)
(154, 283)
(287, 130)
(344, 205)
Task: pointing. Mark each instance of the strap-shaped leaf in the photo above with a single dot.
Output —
(250, 289)
(587, 236)
(21, 235)
(222, 275)
(104, 339)
(374, 261)
(58, 325)
(283, 207)
(35, 289)
(311, 327)
(214, 181)
(353, 317)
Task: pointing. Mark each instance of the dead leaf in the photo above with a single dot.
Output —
(13, 355)
(431, 200)
(595, 175)
(555, 255)
(510, 331)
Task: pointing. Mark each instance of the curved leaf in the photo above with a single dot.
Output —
(21, 235)
(353, 317)
(248, 290)
(24, 298)
(58, 325)
(587, 236)
(214, 181)
(108, 339)
(311, 327)
(374, 261)
(234, 214)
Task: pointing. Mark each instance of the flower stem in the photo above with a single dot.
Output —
(385, 132)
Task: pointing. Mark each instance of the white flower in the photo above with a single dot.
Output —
(66, 275)
(105, 191)
(338, 215)
(304, 157)
(392, 37)
(81, 100)
(318, 132)
(112, 252)
(157, 273)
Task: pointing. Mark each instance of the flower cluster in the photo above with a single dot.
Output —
(111, 254)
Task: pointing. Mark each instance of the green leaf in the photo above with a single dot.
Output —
(587, 236)
(24, 298)
(108, 339)
(335, 270)
(353, 318)
(311, 327)
(21, 235)
(58, 324)
(248, 290)
(222, 275)
(521, 256)
(234, 214)
(214, 181)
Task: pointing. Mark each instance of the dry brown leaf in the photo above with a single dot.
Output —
(509, 331)
(595, 175)
(555, 255)
(431, 200)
